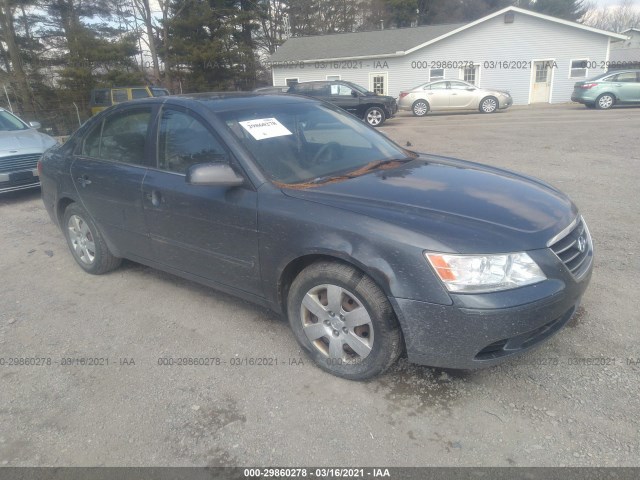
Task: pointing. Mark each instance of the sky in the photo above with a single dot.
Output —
(608, 3)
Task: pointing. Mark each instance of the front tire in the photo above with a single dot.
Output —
(343, 321)
(605, 101)
(86, 243)
(420, 108)
(489, 105)
(374, 116)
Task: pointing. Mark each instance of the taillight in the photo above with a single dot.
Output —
(587, 86)
(40, 167)
(403, 94)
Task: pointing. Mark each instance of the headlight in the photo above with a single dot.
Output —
(485, 273)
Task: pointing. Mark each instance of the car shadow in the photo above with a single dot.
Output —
(19, 196)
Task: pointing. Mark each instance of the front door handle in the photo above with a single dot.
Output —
(155, 197)
(84, 181)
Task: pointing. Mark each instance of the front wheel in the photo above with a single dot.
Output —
(374, 116)
(489, 105)
(86, 243)
(343, 321)
(605, 101)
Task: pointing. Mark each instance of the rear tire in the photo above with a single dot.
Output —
(605, 101)
(343, 321)
(420, 108)
(86, 243)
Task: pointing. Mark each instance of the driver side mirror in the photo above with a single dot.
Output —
(354, 93)
(36, 125)
(214, 174)
(470, 89)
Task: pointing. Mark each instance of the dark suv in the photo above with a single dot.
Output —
(371, 107)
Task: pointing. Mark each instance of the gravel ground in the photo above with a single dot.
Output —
(574, 401)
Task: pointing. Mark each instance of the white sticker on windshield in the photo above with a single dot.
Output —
(265, 128)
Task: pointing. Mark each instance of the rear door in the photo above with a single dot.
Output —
(208, 231)
(107, 172)
(437, 94)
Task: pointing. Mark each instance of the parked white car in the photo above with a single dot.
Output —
(21, 146)
(452, 95)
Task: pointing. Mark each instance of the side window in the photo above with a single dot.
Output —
(339, 90)
(184, 141)
(119, 95)
(91, 144)
(437, 86)
(626, 77)
(124, 136)
(101, 97)
(139, 93)
(458, 85)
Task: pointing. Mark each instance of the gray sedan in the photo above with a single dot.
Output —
(452, 95)
(21, 146)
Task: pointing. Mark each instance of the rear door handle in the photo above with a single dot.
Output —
(84, 181)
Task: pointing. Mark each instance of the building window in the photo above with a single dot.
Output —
(471, 74)
(436, 74)
(291, 81)
(542, 72)
(333, 77)
(378, 83)
(579, 68)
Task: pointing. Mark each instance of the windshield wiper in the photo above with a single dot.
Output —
(359, 171)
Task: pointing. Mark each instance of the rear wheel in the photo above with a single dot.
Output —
(420, 108)
(374, 116)
(605, 101)
(86, 243)
(343, 321)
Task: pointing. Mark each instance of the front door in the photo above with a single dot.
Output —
(461, 97)
(627, 86)
(345, 97)
(208, 231)
(541, 86)
(107, 173)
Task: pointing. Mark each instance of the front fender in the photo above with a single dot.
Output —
(292, 228)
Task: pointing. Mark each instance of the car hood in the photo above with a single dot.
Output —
(458, 206)
(24, 142)
(386, 98)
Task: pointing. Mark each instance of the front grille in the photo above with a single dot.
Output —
(575, 249)
(17, 163)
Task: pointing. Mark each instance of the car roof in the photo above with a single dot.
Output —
(227, 101)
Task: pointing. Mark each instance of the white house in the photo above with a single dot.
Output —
(536, 57)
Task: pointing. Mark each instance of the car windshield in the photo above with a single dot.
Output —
(311, 143)
(11, 123)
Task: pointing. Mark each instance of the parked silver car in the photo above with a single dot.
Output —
(21, 146)
(452, 95)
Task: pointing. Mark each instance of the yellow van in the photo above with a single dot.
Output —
(102, 98)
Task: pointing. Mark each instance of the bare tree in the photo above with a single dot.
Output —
(616, 18)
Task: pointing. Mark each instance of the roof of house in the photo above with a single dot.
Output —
(360, 44)
(393, 42)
